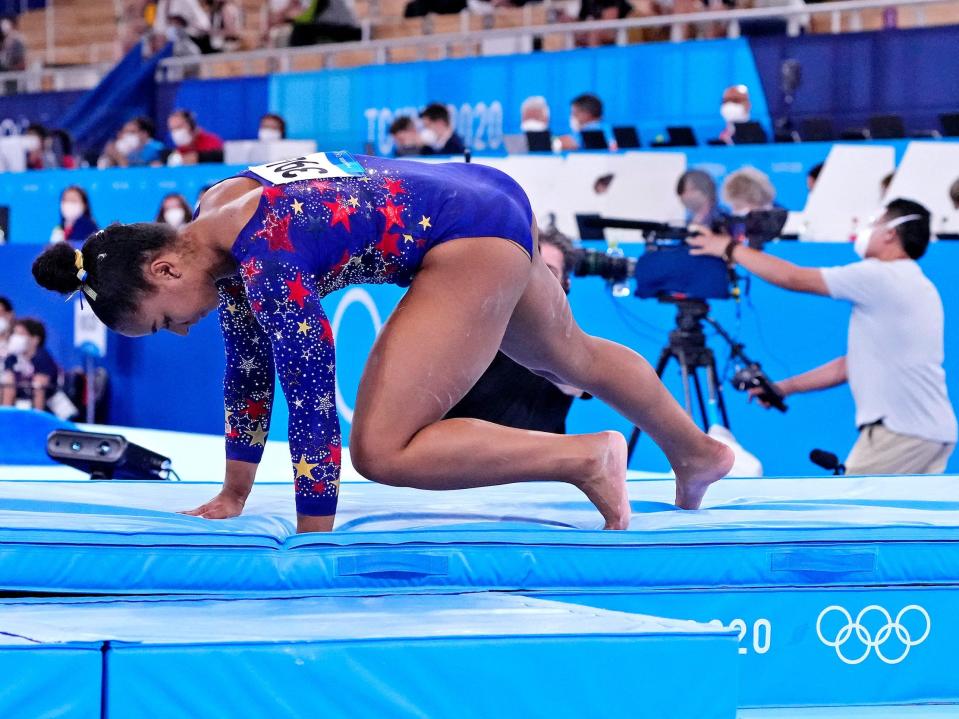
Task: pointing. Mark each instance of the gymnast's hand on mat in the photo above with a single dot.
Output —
(223, 506)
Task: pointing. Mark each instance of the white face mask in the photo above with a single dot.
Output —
(734, 112)
(181, 136)
(174, 216)
(71, 210)
(4, 325)
(534, 126)
(31, 143)
(864, 234)
(127, 143)
(5, 27)
(269, 134)
(574, 124)
(429, 137)
(17, 344)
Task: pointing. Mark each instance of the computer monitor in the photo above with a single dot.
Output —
(817, 129)
(681, 136)
(516, 144)
(749, 133)
(594, 140)
(539, 141)
(950, 124)
(886, 127)
(627, 138)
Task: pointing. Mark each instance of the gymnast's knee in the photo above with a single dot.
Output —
(375, 459)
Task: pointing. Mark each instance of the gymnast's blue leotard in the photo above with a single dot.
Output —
(310, 237)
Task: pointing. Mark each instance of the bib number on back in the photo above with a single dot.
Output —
(327, 165)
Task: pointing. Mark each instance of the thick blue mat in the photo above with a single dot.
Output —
(841, 589)
(479, 655)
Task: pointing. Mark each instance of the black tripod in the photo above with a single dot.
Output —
(687, 345)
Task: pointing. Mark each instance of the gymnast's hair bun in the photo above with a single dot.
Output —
(55, 269)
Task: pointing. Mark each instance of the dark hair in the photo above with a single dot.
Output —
(815, 170)
(699, 179)
(14, 20)
(145, 124)
(187, 116)
(114, 259)
(64, 141)
(34, 328)
(37, 129)
(279, 119)
(179, 198)
(403, 122)
(589, 103)
(886, 181)
(914, 234)
(954, 193)
(83, 196)
(435, 111)
(6, 304)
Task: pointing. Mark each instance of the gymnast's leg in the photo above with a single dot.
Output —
(435, 346)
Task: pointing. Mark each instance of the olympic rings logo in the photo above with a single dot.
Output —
(865, 637)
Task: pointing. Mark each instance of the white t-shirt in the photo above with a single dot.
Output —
(895, 354)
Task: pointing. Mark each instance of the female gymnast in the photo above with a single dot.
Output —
(267, 245)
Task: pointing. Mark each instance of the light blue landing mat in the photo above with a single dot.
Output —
(842, 591)
(479, 655)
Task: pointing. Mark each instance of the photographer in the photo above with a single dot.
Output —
(894, 359)
(508, 394)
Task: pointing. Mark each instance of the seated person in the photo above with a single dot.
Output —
(272, 128)
(6, 324)
(326, 21)
(135, 146)
(76, 217)
(508, 394)
(174, 211)
(406, 138)
(697, 192)
(192, 143)
(586, 113)
(437, 135)
(29, 372)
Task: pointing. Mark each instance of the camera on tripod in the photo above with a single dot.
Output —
(668, 272)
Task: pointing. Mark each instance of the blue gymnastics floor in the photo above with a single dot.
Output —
(478, 655)
(841, 591)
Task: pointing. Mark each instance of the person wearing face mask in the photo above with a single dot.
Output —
(437, 134)
(29, 372)
(135, 146)
(192, 143)
(76, 218)
(406, 138)
(6, 324)
(174, 211)
(894, 358)
(735, 107)
(534, 114)
(697, 192)
(272, 128)
(39, 156)
(586, 113)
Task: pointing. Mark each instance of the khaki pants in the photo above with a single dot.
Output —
(881, 451)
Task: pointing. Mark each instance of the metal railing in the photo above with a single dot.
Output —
(465, 41)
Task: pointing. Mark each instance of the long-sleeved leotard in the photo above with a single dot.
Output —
(310, 237)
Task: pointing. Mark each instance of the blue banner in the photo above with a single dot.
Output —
(671, 84)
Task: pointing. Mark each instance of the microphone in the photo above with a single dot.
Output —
(828, 461)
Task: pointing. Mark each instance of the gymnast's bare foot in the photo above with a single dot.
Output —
(696, 471)
(605, 483)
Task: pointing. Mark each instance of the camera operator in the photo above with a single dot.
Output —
(697, 191)
(509, 394)
(894, 358)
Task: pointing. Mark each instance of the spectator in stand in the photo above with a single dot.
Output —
(135, 146)
(406, 138)
(29, 372)
(226, 25)
(697, 192)
(187, 16)
(586, 113)
(76, 217)
(38, 152)
(735, 107)
(6, 324)
(954, 194)
(192, 144)
(601, 10)
(813, 175)
(326, 21)
(61, 145)
(534, 114)
(272, 128)
(437, 135)
(13, 50)
(174, 211)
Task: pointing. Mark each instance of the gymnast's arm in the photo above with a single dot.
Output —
(248, 386)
